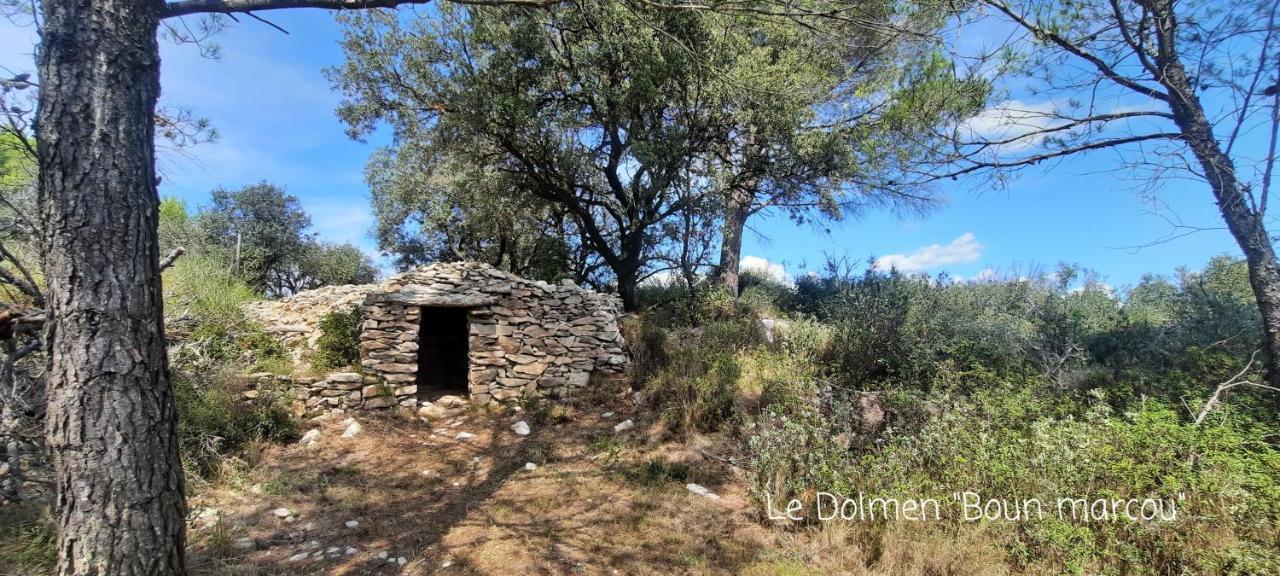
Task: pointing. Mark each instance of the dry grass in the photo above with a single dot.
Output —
(598, 503)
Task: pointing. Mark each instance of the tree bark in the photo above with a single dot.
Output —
(1245, 221)
(737, 208)
(111, 423)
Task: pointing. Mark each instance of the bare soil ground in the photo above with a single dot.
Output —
(598, 502)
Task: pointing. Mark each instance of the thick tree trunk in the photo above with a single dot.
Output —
(1245, 221)
(737, 208)
(111, 417)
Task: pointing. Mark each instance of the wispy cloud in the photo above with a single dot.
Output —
(959, 251)
(1015, 121)
(763, 267)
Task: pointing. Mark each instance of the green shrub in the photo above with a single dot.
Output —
(646, 347)
(199, 287)
(1013, 444)
(339, 342)
(696, 390)
(215, 422)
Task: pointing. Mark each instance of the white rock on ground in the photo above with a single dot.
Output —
(282, 512)
(353, 428)
(624, 425)
(352, 523)
(530, 466)
(607, 415)
(298, 557)
(350, 551)
(521, 428)
(702, 491)
(310, 437)
(464, 436)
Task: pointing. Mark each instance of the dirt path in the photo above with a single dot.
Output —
(429, 502)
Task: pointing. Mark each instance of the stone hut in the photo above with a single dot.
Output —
(458, 329)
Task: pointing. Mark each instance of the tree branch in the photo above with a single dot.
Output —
(1075, 49)
(185, 7)
(171, 258)
(1029, 160)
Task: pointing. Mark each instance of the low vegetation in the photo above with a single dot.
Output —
(1039, 388)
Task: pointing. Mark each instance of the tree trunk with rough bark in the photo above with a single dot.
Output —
(111, 422)
(737, 208)
(1244, 220)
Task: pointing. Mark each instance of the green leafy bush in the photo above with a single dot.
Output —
(339, 342)
(215, 422)
(696, 389)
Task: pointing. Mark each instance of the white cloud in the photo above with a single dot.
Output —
(765, 268)
(959, 251)
(1013, 120)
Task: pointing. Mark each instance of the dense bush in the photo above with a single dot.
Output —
(1048, 386)
(339, 342)
(214, 422)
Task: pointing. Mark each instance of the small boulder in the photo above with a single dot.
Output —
(310, 437)
(282, 512)
(530, 466)
(624, 426)
(701, 491)
(521, 428)
(352, 524)
(353, 428)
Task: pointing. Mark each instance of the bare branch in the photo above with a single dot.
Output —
(185, 7)
(1036, 159)
(1106, 69)
(171, 258)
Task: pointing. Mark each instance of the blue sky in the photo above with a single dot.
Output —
(274, 110)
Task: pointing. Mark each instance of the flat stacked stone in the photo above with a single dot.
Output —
(295, 320)
(526, 337)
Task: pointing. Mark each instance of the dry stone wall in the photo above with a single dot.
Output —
(526, 337)
(295, 320)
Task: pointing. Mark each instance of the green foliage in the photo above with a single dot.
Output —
(214, 422)
(1011, 444)
(276, 253)
(339, 343)
(695, 391)
(201, 286)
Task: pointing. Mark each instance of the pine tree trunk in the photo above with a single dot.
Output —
(111, 417)
(1245, 221)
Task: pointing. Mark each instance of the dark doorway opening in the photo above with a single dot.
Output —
(443, 335)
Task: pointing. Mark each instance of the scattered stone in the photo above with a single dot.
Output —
(282, 512)
(350, 551)
(607, 415)
(401, 561)
(310, 437)
(353, 428)
(624, 426)
(530, 466)
(701, 491)
(464, 436)
(352, 523)
(521, 428)
(298, 557)
(245, 543)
